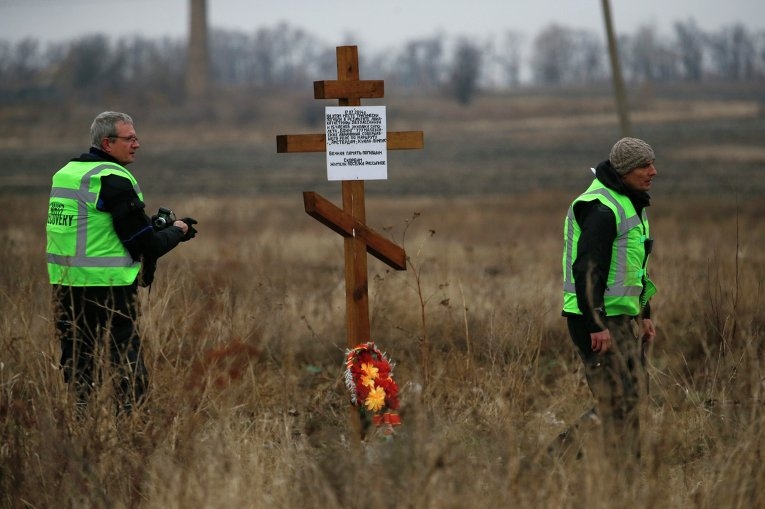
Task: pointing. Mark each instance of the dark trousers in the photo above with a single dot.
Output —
(94, 323)
(619, 381)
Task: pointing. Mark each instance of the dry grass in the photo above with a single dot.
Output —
(244, 336)
(244, 328)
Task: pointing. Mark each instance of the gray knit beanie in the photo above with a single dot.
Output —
(630, 153)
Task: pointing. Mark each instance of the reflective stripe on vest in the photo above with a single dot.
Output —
(64, 263)
(623, 288)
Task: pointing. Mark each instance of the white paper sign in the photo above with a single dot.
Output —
(356, 143)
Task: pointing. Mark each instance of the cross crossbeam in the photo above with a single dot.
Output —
(396, 140)
(344, 89)
(346, 225)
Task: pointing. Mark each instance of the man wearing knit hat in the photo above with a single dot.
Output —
(606, 290)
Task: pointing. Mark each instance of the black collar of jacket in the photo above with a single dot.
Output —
(95, 154)
(608, 176)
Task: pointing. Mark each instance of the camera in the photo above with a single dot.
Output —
(163, 218)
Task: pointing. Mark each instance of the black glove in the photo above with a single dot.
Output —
(191, 232)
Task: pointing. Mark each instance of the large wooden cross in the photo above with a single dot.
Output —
(350, 221)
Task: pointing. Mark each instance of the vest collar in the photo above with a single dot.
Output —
(95, 154)
(609, 178)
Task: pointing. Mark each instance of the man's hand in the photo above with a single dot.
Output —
(648, 329)
(183, 226)
(601, 341)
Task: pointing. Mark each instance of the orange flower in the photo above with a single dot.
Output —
(367, 381)
(375, 400)
(369, 369)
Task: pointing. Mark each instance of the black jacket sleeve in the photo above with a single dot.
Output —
(131, 223)
(593, 260)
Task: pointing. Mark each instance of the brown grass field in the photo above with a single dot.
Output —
(244, 330)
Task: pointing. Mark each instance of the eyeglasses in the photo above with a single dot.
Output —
(129, 139)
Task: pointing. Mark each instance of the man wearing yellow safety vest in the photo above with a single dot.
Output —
(606, 290)
(101, 246)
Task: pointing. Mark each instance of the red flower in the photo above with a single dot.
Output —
(368, 370)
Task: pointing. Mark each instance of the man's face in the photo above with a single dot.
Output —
(640, 179)
(124, 145)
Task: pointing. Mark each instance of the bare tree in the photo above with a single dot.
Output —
(759, 43)
(588, 65)
(733, 51)
(151, 68)
(690, 46)
(287, 56)
(563, 55)
(648, 58)
(465, 71)
(551, 53)
(24, 60)
(509, 57)
(231, 57)
(420, 64)
(90, 67)
(284, 56)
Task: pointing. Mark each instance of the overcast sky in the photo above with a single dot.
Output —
(379, 24)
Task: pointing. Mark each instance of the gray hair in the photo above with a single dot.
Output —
(105, 126)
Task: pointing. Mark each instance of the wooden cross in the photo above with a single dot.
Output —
(350, 221)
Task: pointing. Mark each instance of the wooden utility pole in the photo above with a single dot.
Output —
(616, 74)
(197, 63)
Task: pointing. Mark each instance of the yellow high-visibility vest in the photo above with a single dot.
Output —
(82, 247)
(627, 276)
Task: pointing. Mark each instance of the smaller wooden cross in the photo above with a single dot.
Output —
(350, 221)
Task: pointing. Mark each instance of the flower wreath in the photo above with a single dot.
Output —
(368, 378)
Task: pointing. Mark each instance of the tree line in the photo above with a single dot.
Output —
(287, 57)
